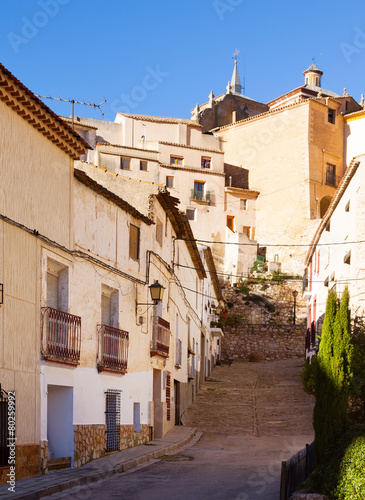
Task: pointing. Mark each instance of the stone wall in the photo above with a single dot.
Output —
(90, 440)
(267, 302)
(129, 438)
(27, 463)
(264, 341)
(90, 443)
(43, 455)
(263, 325)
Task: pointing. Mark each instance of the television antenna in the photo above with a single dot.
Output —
(73, 102)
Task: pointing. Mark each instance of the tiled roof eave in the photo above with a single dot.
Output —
(267, 113)
(175, 144)
(161, 119)
(82, 177)
(22, 101)
(194, 170)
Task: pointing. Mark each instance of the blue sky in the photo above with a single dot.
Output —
(161, 58)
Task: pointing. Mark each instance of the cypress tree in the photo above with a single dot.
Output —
(330, 416)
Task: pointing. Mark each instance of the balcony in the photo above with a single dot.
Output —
(200, 196)
(191, 367)
(332, 179)
(113, 349)
(160, 337)
(60, 336)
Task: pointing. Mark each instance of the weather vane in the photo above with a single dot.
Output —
(235, 54)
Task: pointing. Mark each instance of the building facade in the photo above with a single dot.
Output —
(96, 365)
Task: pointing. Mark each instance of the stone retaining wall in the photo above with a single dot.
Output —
(264, 341)
(264, 320)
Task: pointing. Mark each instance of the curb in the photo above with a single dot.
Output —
(93, 475)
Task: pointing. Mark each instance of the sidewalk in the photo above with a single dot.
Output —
(114, 463)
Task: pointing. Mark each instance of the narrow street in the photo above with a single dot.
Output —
(251, 416)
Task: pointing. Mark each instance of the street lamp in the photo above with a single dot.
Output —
(295, 294)
(156, 291)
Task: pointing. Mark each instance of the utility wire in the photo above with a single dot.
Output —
(272, 244)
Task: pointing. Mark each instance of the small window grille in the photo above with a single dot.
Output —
(1, 293)
(112, 417)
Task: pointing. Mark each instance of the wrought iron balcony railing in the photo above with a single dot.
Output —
(199, 196)
(113, 349)
(160, 337)
(60, 336)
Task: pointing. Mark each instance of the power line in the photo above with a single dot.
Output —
(273, 244)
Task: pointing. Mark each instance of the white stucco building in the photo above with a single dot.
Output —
(95, 365)
(175, 153)
(337, 252)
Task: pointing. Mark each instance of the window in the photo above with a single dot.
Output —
(198, 190)
(206, 162)
(143, 165)
(347, 258)
(109, 306)
(347, 207)
(230, 222)
(243, 204)
(331, 115)
(112, 417)
(60, 330)
(159, 231)
(57, 286)
(191, 213)
(246, 230)
(134, 242)
(176, 160)
(137, 417)
(125, 163)
(331, 175)
(169, 181)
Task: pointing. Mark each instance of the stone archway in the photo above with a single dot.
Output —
(324, 204)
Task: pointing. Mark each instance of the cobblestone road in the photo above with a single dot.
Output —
(258, 399)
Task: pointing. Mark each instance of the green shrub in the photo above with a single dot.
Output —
(351, 480)
(342, 476)
(233, 320)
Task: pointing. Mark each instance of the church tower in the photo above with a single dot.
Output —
(235, 82)
(313, 76)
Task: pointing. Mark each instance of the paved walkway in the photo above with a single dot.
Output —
(252, 416)
(114, 463)
(257, 399)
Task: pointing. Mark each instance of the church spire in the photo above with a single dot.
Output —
(236, 82)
